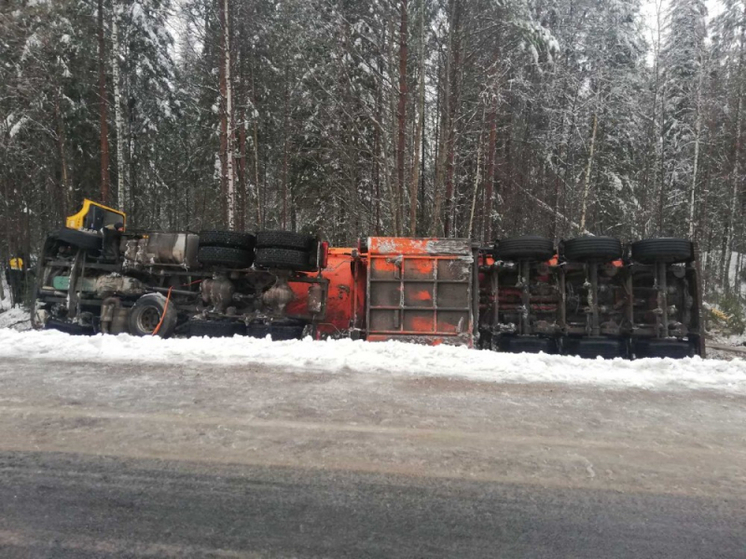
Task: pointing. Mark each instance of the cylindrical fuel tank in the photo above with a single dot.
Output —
(171, 248)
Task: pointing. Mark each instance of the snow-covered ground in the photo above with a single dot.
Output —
(15, 318)
(4, 301)
(388, 357)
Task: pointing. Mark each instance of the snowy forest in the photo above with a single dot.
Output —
(348, 118)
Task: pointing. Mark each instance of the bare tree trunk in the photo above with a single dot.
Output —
(418, 143)
(229, 121)
(559, 185)
(242, 198)
(255, 147)
(706, 231)
(489, 179)
(455, 67)
(439, 161)
(477, 180)
(376, 171)
(242, 180)
(122, 194)
(659, 164)
(64, 187)
(226, 123)
(401, 112)
(735, 173)
(588, 169)
(103, 116)
(662, 186)
(693, 188)
(223, 154)
(395, 195)
(695, 165)
(285, 147)
(259, 205)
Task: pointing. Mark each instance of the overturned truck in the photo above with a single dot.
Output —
(588, 296)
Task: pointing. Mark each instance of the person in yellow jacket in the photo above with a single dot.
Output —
(14, 274)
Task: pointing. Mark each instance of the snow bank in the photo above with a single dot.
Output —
(12, 317)
(5, 300)
(15, 318)
(388, 357)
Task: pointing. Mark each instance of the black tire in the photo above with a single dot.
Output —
(283, 259)
(528, 344)
(146, 314)
(227, 239)
(284, 239)
(225, 257)
(525, 248)
(216, 329)
(591, 348)
(672, 349)
(80, 239)
(667, 250)
(592, 249)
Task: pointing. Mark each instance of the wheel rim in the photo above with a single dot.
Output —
(148, 319)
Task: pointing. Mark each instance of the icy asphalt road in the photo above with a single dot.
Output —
(193, 460)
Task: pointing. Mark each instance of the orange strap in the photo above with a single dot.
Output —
(165, 308)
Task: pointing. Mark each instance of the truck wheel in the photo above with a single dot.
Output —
(667, 250)
(284, 239)
(146, 315)
(227, 239)
(283, 258)
(588, 249)
(216, 329)
(589, 348)
(525, 248)
(225, 257)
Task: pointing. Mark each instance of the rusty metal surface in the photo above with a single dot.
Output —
(420, 290)
(405, 245)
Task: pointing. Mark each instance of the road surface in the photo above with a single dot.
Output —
(194, 461)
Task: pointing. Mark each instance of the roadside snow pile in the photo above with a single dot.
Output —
(5, 300)
(733, 340)
(15, 318)
(387, 357)
(12, 317)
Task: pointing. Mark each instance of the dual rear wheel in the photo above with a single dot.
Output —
(283, 250)
(595, 249)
